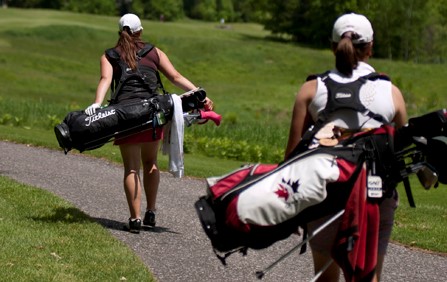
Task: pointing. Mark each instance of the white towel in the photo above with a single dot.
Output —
(173, 139)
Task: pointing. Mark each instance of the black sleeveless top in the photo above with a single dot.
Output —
(142, 83)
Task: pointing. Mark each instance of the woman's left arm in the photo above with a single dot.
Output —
(400, 118)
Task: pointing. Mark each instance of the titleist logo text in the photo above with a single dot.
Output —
(98, 116)
(342, 95)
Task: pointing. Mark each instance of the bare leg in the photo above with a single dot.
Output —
(151, 174)
(332, 273)
(380, 259)
(132, 187)
(387, 210)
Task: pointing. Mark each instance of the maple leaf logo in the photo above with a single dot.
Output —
(294, 185)
(286, 188)
(282, 192)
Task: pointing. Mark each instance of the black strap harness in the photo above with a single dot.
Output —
(340, 96)
(141, 73)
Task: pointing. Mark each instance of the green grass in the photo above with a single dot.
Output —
(49, 65)
(426, 225)
(44, 238)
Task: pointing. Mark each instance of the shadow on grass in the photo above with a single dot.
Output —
(73, 215)
(66, 215)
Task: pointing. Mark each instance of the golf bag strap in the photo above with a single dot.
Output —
(160, 84)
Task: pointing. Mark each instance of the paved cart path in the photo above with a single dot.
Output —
(177, 249)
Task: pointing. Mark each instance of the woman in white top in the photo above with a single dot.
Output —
(352, 41)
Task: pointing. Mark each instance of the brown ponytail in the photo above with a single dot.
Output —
(347, 55)
(129, 44)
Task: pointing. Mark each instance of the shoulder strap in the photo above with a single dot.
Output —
(112, 53)
(375, 76)
(143, 51)
(160, 83)
(315, 76)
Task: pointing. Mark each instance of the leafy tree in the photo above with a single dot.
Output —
(398, 28)
(224, 10)
(204, 10)
(101, 7)
(124, 6)
(434, 39)
(251, 10)
(402, 28)
(230, 10)
(169, 10)
(24, 3)
(188, 6)
(282, 15)
(104, 7)
(307, 21)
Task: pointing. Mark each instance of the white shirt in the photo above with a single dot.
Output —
(376, 96)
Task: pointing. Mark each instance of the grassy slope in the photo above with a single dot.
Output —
(49, 66)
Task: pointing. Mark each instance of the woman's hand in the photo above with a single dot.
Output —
(91, 110)
(209, 105)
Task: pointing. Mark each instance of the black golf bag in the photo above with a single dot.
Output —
(83, 132)
(258, 205)
(421, 148)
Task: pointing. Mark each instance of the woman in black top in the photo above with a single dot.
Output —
(142, 147)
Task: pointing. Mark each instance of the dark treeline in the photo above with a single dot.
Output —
(169, 10)
(410, 30)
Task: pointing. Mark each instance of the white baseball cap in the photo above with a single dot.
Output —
(356, 23)
(132, 21)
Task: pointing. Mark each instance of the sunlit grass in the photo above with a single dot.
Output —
(44, 238)
(426, 225)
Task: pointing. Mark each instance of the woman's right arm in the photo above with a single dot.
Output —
(105, 81)
(103, 85)
(301, 119)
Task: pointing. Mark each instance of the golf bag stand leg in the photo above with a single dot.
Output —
(260, 274)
